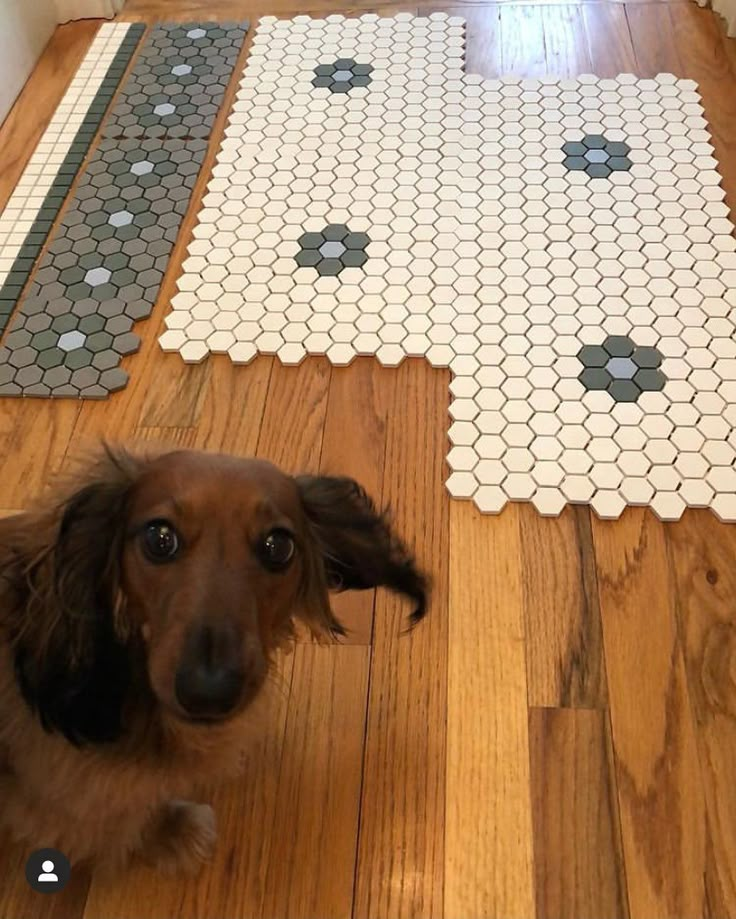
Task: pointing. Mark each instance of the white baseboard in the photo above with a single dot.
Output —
(87, 9)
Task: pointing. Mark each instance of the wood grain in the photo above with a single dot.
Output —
(488, 852)
(400, 869)
(233, 402)
(354, 444)
(483, 37)
(522, 41)
(565, 42)
(659, 781)
(311, 866)
(43, 430)
(564, 658)
(653, 40)
(578, 864)
(703, 553)
(609, 39)
(294, 419)
(176, 399)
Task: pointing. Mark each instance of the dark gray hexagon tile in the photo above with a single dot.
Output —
(598, 157)
(331, 249)
(621, 368)
(134, 190)
(176, 86)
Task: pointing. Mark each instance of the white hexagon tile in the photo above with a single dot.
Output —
(561, 245)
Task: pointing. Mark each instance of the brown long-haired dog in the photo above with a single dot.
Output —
(139, 616)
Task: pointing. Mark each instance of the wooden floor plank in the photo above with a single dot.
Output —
(609, 39)
(488, 835)
(400, 871)
(653, 40)
(522, 41)
(42, 432)
(703, 552)
(354, 444)
(564, 648)
(483, 37)
(233, 406)
(565, 41)
(293, 424)
(658, 775)
(311, 865)
(578, 860)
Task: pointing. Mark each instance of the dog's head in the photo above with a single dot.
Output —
(179, 576)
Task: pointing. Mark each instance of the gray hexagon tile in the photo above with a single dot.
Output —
(178, 82)
(103, 269)
(39, 195)
(562, 245)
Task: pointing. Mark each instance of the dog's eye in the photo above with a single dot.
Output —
(160, 541)
(276, 549)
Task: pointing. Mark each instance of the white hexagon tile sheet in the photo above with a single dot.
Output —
(562, 246)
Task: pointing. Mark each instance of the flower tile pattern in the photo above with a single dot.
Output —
(342, 75)
(486, 253)
(104, 265)
(332, 250)
(596, 156)
(621, 368)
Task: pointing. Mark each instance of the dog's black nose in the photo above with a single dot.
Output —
(209, 680)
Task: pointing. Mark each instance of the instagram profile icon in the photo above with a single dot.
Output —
(48, 870)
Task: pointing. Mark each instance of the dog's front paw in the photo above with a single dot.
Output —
(184, 837)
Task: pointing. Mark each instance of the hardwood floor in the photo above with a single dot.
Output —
(559, 738)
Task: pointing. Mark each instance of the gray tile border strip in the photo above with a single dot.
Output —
(104, 267)
(17, 277)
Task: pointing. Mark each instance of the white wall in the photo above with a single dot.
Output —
(87, 9)
(25, 27)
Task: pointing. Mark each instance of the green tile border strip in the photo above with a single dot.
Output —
(17, 277)
(104, 264)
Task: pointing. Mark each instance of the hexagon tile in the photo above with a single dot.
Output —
(562, 245)
(39, 195)
(103, 268)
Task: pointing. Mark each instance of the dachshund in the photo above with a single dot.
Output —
(140, 615)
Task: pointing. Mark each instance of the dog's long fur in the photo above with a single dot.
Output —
(95, 759)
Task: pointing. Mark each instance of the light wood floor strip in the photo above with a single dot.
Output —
(577, 863)
(311, 867)
(702, 556)
(488, 855)
(659, 784)
(354, 445)
(564, 656)
(401, 856)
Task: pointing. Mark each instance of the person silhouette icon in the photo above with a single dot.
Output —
(47, 871)
(47, 876)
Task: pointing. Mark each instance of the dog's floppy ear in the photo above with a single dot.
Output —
(71, 645)
(354, 547)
